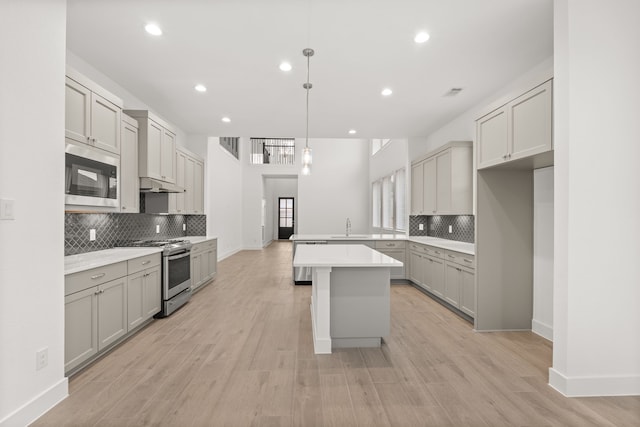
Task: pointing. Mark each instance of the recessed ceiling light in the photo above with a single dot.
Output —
(352, 131)
(421, 37)
(200, 88)
(386, 91)
(285, 66)
(153, 29)
(226, 119)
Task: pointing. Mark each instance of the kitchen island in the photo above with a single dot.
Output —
(350, 305)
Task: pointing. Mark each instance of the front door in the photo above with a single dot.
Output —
(285, 217)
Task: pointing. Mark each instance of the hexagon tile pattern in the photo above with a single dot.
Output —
(112, 229)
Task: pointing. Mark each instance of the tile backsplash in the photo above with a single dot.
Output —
(114, 228)
(462, 227)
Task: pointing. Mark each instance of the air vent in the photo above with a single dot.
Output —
(453, 91)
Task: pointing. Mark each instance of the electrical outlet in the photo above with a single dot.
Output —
(420, 226)
(6, 209)
(157, 228)
(92, 234)
(42, 358)
(451, 229)
(184, 227)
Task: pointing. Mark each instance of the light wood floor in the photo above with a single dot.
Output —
(241, 354)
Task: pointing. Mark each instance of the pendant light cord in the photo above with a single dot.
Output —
(307, 87)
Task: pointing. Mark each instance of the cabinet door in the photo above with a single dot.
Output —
(212, 262)
(196, 270)
(154, 147)
(398, 254)
(129, 182)
(77, 116)
(151, 293)
(168, 156)
(415, 267)
(189, 184)
(452, 284)
(467, 291)
(430, 187)
(443, 183)
(80, 327)
(105, 124)
(417, 189)
(180, 198)
(112, 312)
(198, 188)
(135, 298)
(492, 136)
(436, 276)
(530, 116)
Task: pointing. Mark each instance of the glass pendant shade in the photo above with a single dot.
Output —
(306, 169)
(307, 156)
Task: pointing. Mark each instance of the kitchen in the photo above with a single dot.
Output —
(31, 88)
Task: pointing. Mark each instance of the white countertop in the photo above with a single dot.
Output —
(454, 245)
(197, 239)
(89, 260)
(353, 236)
(341, 256)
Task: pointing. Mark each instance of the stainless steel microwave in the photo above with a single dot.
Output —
(91, 176)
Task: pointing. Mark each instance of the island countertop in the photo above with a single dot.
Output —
(342, 256)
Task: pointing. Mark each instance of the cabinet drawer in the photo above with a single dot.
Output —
(415, 247)
(460, 258)
(434, 252)
(386, 244)
(204, 246)
(85, 279)
(138, 264)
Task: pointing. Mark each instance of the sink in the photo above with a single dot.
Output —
(351, 236)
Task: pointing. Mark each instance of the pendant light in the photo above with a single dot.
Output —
(307, 156)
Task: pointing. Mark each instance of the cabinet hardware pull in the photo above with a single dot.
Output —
(450, 256)
(146, 262)
(437, 252)
(97, 276)
(467, 260)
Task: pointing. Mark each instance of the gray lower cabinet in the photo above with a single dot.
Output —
(396, 250)
(105, 304)
(445, 274)
(143, 296)
(204, 262)
(95, 318)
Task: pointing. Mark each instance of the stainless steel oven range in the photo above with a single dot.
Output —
(176, 272)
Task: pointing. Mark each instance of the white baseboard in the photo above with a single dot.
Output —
(594, 386)
(228, 254)
(38, 406)
(542, 329)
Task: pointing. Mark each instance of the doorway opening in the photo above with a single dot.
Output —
(286, 210)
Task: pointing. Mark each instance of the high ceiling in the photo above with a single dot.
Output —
(234, 48)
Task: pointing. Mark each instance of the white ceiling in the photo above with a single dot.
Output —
(234, 47)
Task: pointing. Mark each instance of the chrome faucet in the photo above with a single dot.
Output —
(348, 227)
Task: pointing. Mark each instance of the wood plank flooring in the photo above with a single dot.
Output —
(241, 354)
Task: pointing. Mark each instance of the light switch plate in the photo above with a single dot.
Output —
(420, 226)
(451, 229)
(157, 228)
(6, 209)
(184, 227)
(92, 234)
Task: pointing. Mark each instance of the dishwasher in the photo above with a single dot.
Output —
(302, 275)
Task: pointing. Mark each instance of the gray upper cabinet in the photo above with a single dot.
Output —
(442, 181)
(130, 184)
(92, 115)
(520, 129)
(189, 175)
(156, 147)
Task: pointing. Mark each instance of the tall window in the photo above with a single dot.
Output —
(388, 202)
(279, 151)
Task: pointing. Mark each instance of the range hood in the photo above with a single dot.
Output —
(150, 185)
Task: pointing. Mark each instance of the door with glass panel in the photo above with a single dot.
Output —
(285, 217)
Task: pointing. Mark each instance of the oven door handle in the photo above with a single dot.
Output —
(183, 255)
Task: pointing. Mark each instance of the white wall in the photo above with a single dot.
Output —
(542, 322)
(223, 198)
(337, 189)
(596, 347)
(391, 157)
(32, 66)
(131, 101)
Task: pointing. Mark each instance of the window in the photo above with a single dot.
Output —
(278, 151)
(230, 143)
(388, 202)
(377, 144)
